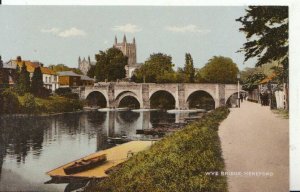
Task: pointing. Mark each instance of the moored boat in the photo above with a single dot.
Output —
(85, 164)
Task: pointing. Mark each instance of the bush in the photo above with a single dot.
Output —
(63, 90)
(56, 104)
(29, 104)
(66, 92)
(10, 102)
(178, 162)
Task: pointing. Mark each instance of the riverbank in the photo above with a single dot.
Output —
(183, 161)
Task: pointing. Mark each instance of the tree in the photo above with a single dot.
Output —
(252, 81)
(91, 71)
(29, 103)
(110, 65)
(218, 70)
(266, 29)
(37, 83)
(9, 101)
(157, 69)
(23, 82)
(63, 67)
(189, 69)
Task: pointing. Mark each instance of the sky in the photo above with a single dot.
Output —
(60, 34)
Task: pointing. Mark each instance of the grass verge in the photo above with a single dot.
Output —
(282, 113)
(179, 162)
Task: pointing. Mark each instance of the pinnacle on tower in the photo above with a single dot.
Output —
(116, 41)
(79, 61)
(133, 40)
(124, 39)
(89, 59)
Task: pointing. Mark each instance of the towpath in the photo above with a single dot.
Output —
(255, 144)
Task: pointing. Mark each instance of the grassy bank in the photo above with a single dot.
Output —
(52, 104)
(178, 162)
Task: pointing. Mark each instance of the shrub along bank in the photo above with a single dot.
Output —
(179, 162)
(11, 103)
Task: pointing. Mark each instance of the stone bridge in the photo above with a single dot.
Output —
(142, 92)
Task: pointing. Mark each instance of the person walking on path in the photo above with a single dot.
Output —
(255, 145)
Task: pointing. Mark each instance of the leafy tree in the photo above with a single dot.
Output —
(252, 81)
(1, 62)
(157, 69)
(110, 65)
(91, 71)
(29, 103)
(218, 70)
(37, 83)
(23, 82)
(189, 69)
(4, 76)
(266, 29)
(10, 102)
(63, 67)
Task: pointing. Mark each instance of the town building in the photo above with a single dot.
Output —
(50, 78)
(71, 79)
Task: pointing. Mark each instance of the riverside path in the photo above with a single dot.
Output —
(255, 145)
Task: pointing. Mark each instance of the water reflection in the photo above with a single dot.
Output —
(31, 146)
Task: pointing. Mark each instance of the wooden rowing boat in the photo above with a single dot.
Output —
(85, 164)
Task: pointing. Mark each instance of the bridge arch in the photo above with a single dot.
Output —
(128, 95)
(96, 98)
(200, 99)
(232, 98)
(162, 99)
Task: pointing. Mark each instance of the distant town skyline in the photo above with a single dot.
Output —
(60, 34)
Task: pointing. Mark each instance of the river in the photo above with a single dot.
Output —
(31, 146)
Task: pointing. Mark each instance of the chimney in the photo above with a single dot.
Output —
(19, 59)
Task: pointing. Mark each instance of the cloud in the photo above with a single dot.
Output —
(188, 28)
(50, 30)
(71, 32)
(127, 28)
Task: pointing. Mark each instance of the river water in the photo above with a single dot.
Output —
(31, 146)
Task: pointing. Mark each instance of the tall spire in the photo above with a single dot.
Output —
(79, 61)
(124, 39)
(89, 59)
(134, 40)
(116, 41)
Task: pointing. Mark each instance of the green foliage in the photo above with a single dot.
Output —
(29, 105)
(56, 104)
(9, 102)
(157, 69)
(37, 83)
(266, 29)
(178, 162)
(63, 67)
(91, 71)
(23, 83)
(66, 92)
(218, 70)
(189, 69)
(110, 65)
(252, 81)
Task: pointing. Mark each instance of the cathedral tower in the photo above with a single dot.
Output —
(128, 49)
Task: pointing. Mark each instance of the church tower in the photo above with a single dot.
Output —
(128, 49)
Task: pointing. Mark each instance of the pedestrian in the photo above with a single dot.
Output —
(242, 97)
